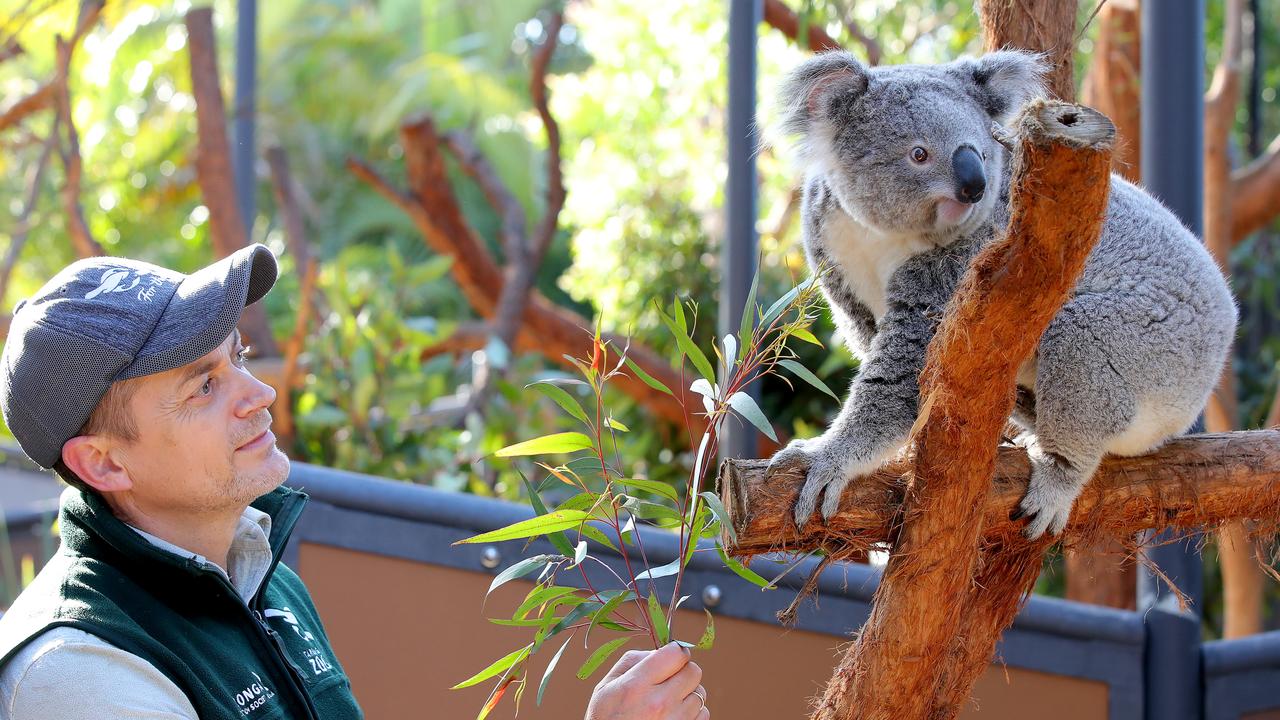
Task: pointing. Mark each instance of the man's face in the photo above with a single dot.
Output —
(204, 440)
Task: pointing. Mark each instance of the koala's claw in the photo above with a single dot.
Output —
(1045, 511)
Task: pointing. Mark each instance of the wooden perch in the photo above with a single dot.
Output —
(915, 657)
(1190, 483)
(213, 165)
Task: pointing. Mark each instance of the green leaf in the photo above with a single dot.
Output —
(656, 487)
(563, 399)
(784, 302)
(539, 596)
(498, 666)
(646, 378)
(615, 599)
(533, 527)
(717, 509)
(594, 533)
(582, 610)
(557, 538)
(698, 359)
(742, 571)
(749, 310)
(565, 442)
(601, 654)
(520, 569)
(806, 336)
(803, 373)
(748, 409)
(709, 635)
(616, 425)
(670, 568)
(659, 620)
(551, 666)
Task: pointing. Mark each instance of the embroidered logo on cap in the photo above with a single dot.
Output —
(118, 280)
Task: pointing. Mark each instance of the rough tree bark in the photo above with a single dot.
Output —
(1106, 574)
(1047, 27)
(1191, 482)
(213, 165)
(898, 668)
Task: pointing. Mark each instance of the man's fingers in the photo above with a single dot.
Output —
(661, 664)
(629, 659)
(693, 706)
(684, 682)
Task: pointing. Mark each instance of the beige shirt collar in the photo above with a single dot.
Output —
(248, 558)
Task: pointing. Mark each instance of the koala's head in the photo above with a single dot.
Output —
(908, 149)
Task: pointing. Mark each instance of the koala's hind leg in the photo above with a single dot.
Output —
(1080, 404)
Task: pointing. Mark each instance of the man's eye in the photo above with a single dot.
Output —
(243, 354)
(206, 388)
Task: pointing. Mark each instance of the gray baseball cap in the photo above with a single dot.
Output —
(106, 319)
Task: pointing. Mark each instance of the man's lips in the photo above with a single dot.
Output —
(266, 437)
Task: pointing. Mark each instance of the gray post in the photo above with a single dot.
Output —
(739, 251)
(1173, 170)
(242, 155)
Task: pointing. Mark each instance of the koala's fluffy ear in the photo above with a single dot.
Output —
(808, 91)
(1003, 81)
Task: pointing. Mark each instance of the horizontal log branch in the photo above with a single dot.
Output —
(1255, 192)
(1192, 482)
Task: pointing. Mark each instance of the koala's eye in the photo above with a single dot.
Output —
(919, 154)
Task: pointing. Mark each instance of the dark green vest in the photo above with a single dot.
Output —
(267, 660)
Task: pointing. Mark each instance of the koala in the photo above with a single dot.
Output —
(904, 184)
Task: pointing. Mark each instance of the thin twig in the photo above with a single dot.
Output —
(18, 237)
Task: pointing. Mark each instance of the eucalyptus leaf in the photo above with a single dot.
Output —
(660, 627)
(533, 527)
(709, 635)
(601, 654)
(803, 373)
(748, 409)
(520, 569)
(743, 571)
(551, 667)
(557, 443)
(646, 378)
(498, 666)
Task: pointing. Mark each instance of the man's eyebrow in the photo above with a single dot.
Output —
(196, 369)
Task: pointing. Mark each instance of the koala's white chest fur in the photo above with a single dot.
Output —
(867, 258)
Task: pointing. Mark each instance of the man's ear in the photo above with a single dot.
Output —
(91, 459)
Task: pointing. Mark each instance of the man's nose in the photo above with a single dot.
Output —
(971, 180)
(257, 395)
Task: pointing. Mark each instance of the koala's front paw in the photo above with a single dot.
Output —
(1047, 505)
(829, 470)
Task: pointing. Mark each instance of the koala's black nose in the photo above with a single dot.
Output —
(971, 181)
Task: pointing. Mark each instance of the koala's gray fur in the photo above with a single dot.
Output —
(1129, 360)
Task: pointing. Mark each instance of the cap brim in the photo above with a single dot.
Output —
(204, 310)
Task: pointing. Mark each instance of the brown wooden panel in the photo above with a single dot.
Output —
(406, 631)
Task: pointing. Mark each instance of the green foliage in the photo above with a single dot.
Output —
(605, 505)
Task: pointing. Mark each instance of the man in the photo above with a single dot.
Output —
(167, 598)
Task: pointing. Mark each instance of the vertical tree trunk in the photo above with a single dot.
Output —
(213, 165)
(1046, 26)
(1241, 578)
(1104, 574)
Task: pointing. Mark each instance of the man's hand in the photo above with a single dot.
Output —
(651, 685)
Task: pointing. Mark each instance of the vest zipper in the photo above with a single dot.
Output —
(272, 639)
